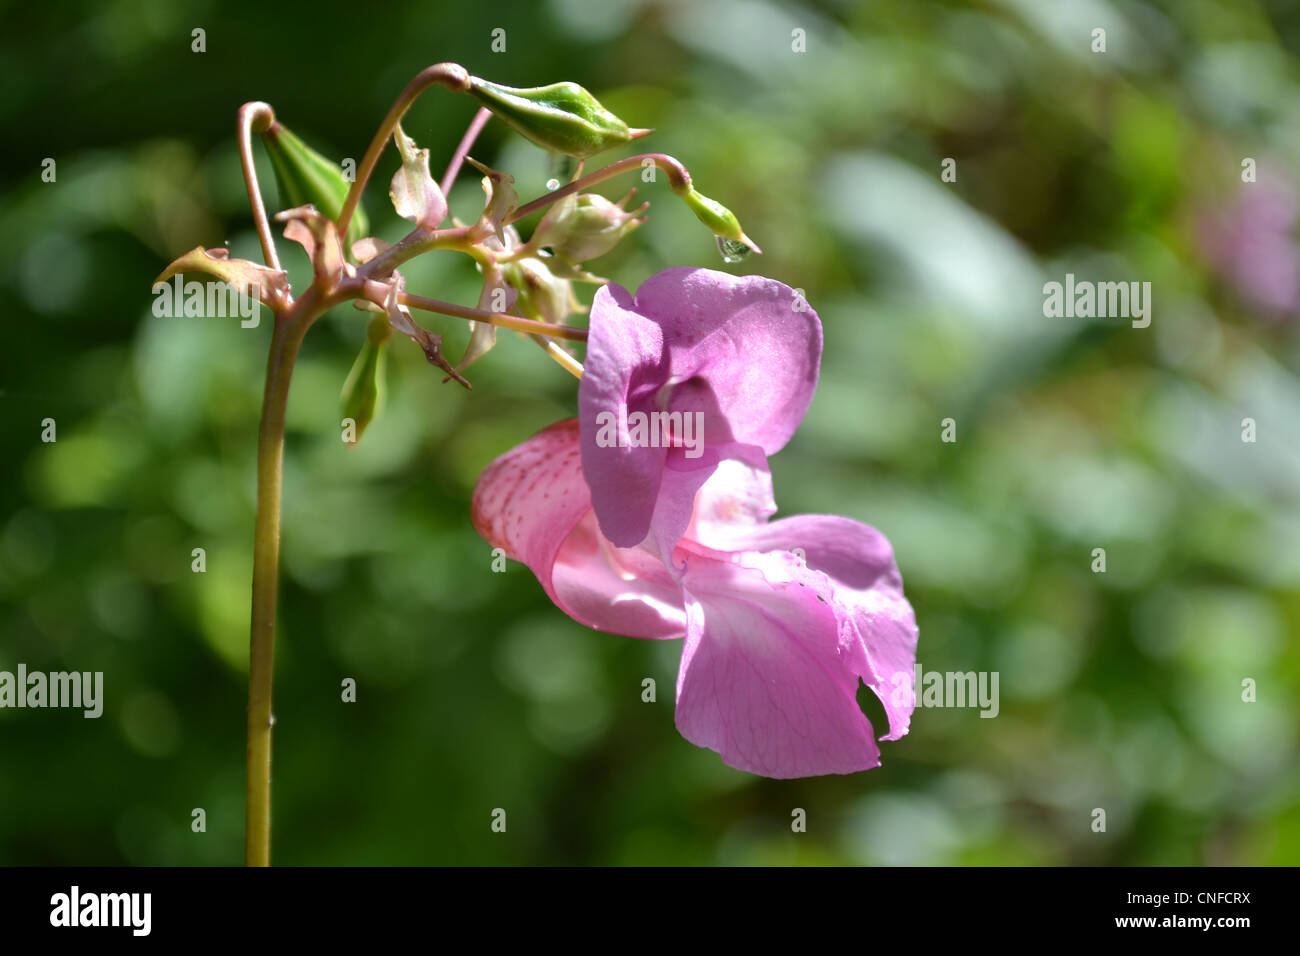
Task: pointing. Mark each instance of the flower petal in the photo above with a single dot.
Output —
(623, 349)
(414, 192)
(758, 353)
(867, 591)
(533, 503)
(740, 355)
(497, 295)
(320, 238)
(502, 200)
(763, 679)
(737, 497)
(400, 319)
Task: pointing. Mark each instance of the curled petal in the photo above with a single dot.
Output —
(399, 319)
(270, 286)
(497, 296)
(676, 508)
(624, 476)
(319, 237)
(736, 501)
(415, 194)
(363, 250)
(502, 200)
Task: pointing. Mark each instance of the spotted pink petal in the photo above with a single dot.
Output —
(533, 503)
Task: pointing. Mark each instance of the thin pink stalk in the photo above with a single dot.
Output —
(679, 178)
(466, 144)
(256, 117)
(451, 75)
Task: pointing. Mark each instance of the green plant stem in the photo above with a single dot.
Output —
(290, 327)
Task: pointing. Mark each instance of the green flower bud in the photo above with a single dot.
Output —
(543, 296)
(586, 226)
(555, 225)
(305, 176)
(364, 389)
(562, 117)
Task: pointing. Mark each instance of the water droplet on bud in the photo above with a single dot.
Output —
(560, 169)
(732, 250)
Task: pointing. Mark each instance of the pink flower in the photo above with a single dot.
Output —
(651, 519)
(1251, 242)
(728, 363)
(781, 618)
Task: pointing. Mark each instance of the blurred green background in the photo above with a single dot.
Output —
(1119, 690)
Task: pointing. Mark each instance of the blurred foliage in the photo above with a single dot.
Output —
(1119, 690)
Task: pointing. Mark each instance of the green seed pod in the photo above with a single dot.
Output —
(722, 222)
(305, 176)
(562, 117)
(363, 391)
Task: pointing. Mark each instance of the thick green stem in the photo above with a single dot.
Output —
(285, 340)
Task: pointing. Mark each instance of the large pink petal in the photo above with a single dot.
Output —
(764, 678)
(533, 503)
(740, 355)
(739, 342)
(867, 590)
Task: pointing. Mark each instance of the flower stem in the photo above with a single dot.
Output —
(451, 75)
(678, 179)
(504, 319)
(566, 361)
(256, 117)
(418, 242)
(290, 327)
(466, 144)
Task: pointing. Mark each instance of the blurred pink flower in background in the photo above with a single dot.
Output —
(1251, 242)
